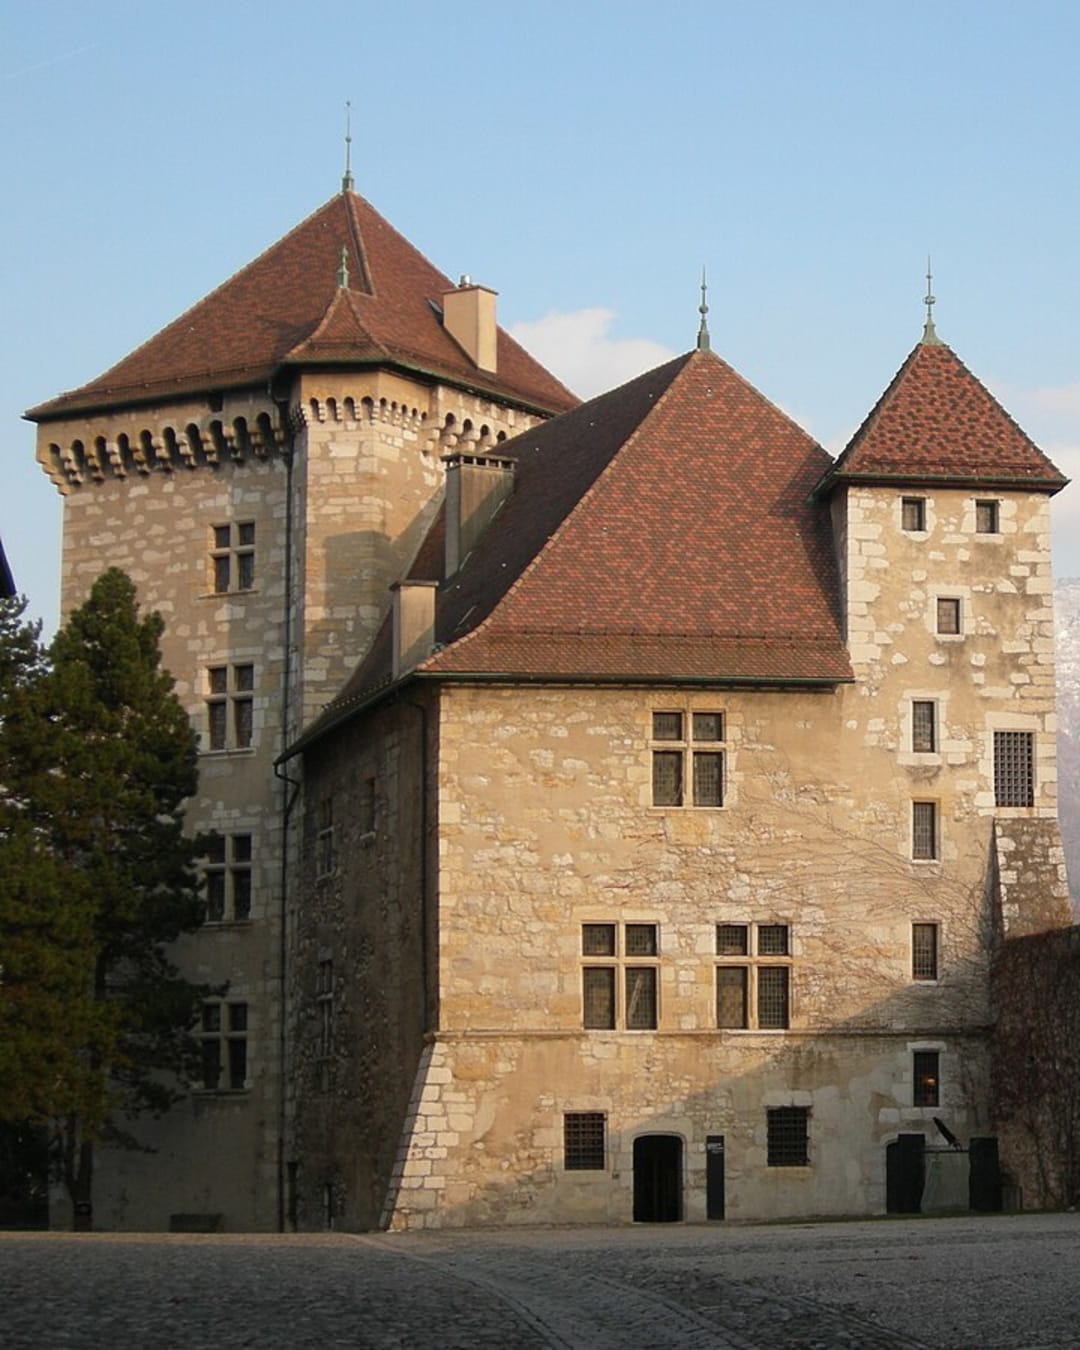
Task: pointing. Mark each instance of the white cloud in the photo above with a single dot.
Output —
(579, 349)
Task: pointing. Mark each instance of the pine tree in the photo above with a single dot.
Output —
(101, 758)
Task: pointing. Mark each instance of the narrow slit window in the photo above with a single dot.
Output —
(924, 726)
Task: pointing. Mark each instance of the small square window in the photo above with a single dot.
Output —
(772, 939)
(598, 939)
(926, 1080)
(987, 517)
(708, 726)
(948, 615)
(924, 830)
(667, 726)
(731, 939)
(924, 726)
(788, 1136)
(641, 939)
(913, 514)
(583, 1141)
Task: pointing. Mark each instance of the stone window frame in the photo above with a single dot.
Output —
(626, 972)
(988, 517)
(787, 1136)
(928, 730)
(925, 951)
(228, 875)
(224, 1031)
(749, 958)
(691, 746)
(925, 814)
(913, 514)
(949, 616)
(585, 1141)
(1014, 775)
(230, 707)
(926, 1076)
(232, 557)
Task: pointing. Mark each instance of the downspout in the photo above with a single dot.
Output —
(290, 789)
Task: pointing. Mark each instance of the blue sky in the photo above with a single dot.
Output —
(585, 160)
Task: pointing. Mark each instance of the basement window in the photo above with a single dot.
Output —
(583, 1141)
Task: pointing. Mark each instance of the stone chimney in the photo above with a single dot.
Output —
(414, 623)
(476, 486)
(469, 318)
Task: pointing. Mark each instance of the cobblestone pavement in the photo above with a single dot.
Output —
(957, 1284)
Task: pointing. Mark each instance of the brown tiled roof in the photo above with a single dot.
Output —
(664, 532)
(937, 423)
(286, 309)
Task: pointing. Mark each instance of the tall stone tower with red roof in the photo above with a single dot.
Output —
(264, 469)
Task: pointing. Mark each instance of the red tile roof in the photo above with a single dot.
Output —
(287, 309)
(937, 423)
(664, 532)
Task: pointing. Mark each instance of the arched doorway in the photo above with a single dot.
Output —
(658, 1166)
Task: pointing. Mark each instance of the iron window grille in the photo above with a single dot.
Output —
(688, 759)
(224, 1035)
(583, 1141)
(924, 830)
(927, 1084)
(987, 517)
(1014, 768)
(230, 706)
(924, 951)
(924, 726)
(788, 1136)
(753, 976)
(232, 557)
(913, 514)
(228, 878)
(949, 616)
(606, 969)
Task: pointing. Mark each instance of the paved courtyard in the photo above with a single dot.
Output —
(1009, 1281)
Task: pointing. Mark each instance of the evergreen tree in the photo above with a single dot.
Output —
(101, 757)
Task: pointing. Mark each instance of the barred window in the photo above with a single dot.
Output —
(913, 513)
(700, 738)
(1014, 768)
(924, 830)
(926, 1086)
(987, 517)
(948, 615)
(924, 726)
(583, 1141)
(620, 958)
(788, 1136)
(924, 951)
(752, 986)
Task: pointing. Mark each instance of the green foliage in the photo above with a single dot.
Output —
(96, 877)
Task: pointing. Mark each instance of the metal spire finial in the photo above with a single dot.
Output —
(930, 336)
(703, 309)
(347, 181)
(343, 269)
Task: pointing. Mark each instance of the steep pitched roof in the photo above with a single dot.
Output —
(287, 309)
(937, 423)
(662, 532)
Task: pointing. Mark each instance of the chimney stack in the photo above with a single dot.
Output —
(476, 486)
(414, 624)
(469, 318)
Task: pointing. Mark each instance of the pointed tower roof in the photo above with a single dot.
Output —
(663, 532)
(936, 423)
(288, 308)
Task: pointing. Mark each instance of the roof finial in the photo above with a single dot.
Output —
(703, 309)
(347, 181)
(343, 269)
(929, 336)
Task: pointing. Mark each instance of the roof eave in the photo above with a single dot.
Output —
(1004, 482)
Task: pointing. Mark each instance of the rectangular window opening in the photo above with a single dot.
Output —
(690, 775)
(913, 514)
(232, 557)
(924, 951)
(948, 615)
(924, 830)
(924, 726)
(788, 1136)
(1014, 768)
(987, 517)
(602, 983)
(925, 1070)
(583, 1141)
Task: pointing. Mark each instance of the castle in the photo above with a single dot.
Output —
(618, 802)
